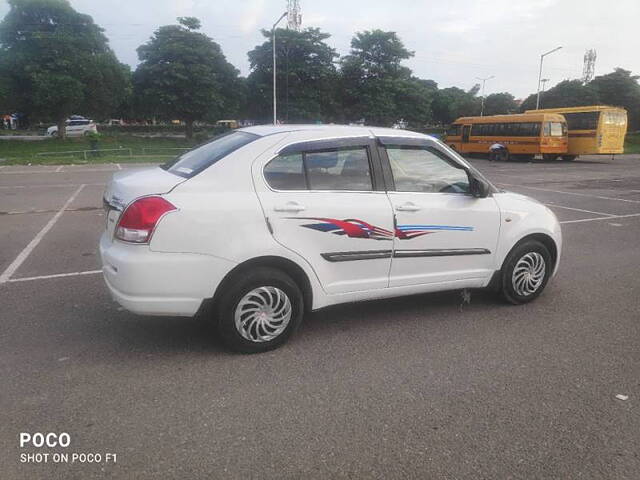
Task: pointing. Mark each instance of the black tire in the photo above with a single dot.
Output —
(520, 251)
(569, 158)
(235, 290)
(549, 157)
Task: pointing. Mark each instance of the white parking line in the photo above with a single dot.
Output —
(580, 210)
(601, 218)
(119, 167)
(59, 168)
(57, 275)
(79, 170)
(22, 256)
(55, 185)
(571, 193)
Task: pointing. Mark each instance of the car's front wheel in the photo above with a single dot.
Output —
(525, 272)
(259, 310)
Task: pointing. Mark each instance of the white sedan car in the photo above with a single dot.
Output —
(75, 127)
(265, 223)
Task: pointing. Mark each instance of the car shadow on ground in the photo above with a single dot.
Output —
(179, 335)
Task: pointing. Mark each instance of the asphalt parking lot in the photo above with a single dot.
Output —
(421, 387)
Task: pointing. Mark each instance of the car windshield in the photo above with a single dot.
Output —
(194, 161)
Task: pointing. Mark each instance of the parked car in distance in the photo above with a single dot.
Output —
(265, 223)
(75, 127)
(230, 124)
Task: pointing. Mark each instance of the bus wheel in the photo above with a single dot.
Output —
(569, 158)
(499, 155)
(549, 157)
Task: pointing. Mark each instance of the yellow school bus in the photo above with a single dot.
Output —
(593, 130)
(523, 136)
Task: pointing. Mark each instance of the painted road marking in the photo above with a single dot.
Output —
(601, 218)
(22, 256)
(56, 275)
(580, 210)
(59, 168)
(571, 193)
(57, 185)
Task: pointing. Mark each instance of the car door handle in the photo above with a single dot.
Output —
(289, 207)
(407, 207)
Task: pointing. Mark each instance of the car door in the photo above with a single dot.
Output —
(325, 201)
(443, 233)
(73, 128)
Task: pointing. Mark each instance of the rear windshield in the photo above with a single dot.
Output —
(194, 161)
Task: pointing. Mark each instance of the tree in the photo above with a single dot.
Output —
(620, 89)
(453, 102)
(568, 93)
(306, 76)
(56, 62)
(500, 103)
(373, 77)
(184, 75)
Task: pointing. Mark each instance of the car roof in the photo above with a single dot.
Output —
(325, 131)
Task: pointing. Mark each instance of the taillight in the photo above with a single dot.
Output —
(140, 218)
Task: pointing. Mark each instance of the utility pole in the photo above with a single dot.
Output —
(482, 104)
(273, 44)
(294, 15)
(544, 83)
(589, 66)
(540, 74)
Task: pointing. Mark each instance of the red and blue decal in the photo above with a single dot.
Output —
(354, 228)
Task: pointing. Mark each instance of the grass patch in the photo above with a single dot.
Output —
(143, 149)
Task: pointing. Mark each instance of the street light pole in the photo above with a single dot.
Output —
(540, 74)
(273, 44)
(482, 104)
(544, 84)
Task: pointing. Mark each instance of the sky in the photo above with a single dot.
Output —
(454, 42)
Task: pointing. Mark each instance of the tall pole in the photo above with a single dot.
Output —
(482, 101)
(544, 84)
(540, 74)
(273, 44)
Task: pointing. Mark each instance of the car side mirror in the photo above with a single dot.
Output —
(479, 187)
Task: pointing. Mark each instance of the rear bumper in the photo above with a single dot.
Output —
(159, 283)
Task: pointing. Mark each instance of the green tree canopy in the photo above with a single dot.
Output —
(568, 93)
(376, 87)
(184, 75)
(453, 102)
(56, 62)
(620, 88)
(499, 104)
(306, 77)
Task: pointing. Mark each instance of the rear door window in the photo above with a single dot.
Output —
(346, 169)
(335, 169)
(286, 172)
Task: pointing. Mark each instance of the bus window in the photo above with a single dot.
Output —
(453, 131)
(582, 120)
(555, 129)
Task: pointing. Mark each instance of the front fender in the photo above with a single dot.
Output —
(520, 217)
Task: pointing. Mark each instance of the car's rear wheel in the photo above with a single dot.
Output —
(259, 310)
(525, 272)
